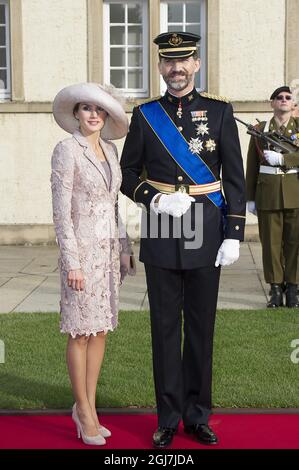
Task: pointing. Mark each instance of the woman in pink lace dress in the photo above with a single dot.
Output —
(85, 181)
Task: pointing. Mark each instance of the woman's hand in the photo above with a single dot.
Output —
(127, 265)
(75, 279)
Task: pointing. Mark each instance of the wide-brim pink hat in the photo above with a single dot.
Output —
(116, 123)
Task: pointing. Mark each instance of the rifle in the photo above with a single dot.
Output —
(277, 141)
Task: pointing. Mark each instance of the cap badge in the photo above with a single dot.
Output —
(175, 40)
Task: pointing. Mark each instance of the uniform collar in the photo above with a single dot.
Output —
(289, 126)
(185, 100)
(292, 124)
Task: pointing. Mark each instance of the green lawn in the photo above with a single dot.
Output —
(252, 365)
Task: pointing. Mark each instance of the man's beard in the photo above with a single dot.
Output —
(178, 85)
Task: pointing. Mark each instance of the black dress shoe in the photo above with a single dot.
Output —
(163, 436)
(276, 298)
(203, 433)
(292, 297)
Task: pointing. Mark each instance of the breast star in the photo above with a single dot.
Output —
(202, 129)
(210, 145)
(195, 145)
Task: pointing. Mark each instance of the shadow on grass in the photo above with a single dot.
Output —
(35, 376)
(21, 390)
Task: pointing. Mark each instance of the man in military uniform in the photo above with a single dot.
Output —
(295, 112)
(272, 182)
(181, 142)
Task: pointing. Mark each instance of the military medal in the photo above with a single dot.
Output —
(195, 145)
(199, 115)
(210, 145)
(179, 112)
(202, 129)
(295, 139)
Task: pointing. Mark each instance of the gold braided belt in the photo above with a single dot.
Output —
(192, 189)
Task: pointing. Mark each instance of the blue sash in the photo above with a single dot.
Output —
(178, 149)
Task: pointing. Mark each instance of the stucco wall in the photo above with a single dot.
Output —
(54, 46)
(25, 168)
(251, 48)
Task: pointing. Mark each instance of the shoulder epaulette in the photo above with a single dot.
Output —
(214, 97)
(152, 99)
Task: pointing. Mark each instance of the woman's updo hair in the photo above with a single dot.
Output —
(76, 108)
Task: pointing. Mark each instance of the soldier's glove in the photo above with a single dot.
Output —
(228, 252)
(273, 158)
(251, 207)
(175, 204)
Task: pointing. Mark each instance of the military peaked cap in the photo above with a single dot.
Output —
(177, 44)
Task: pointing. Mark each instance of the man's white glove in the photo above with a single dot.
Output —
(175, 204)
(228, 252)
(251, 207)
(273, 158)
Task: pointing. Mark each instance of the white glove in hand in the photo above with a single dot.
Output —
(251, 207)
(175, 204)
(273, 158)
(228, 252)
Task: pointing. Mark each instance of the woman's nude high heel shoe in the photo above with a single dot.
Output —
(97, 440)
(104, 431)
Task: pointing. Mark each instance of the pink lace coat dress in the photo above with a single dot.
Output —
(85, 219)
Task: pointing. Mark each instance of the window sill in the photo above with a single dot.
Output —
(46, 106)
(28, 107)
(25, 107)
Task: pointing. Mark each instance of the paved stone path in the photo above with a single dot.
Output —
(29, 281)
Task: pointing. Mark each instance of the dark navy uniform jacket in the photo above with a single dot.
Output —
(144, 154)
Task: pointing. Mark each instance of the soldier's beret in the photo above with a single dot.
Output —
(280, 90)
(177, 44)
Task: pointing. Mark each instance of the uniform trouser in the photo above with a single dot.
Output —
(182, 375)
(279, 235)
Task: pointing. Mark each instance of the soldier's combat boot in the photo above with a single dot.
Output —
(292, 297)
(276, 298)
